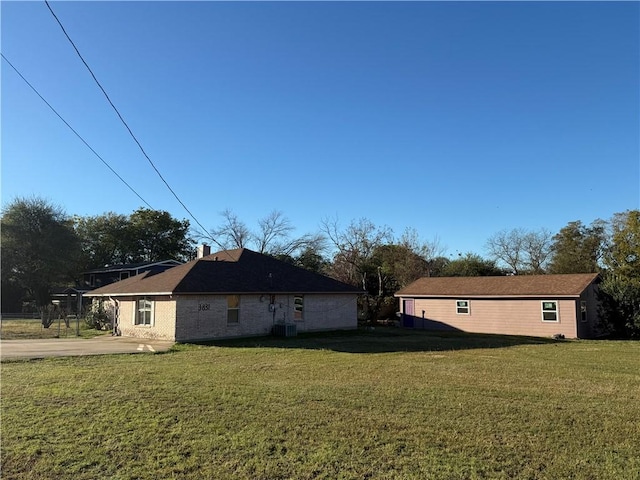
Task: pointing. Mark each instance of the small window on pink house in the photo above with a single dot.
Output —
(462, 307)
(583, 311)
(549, 311)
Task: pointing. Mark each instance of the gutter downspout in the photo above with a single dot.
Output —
(115, 332)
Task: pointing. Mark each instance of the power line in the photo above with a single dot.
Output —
(74, 131)
(123, 121)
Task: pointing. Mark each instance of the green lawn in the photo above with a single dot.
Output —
(22, 329)
(385, 404)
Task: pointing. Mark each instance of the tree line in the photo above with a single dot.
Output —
(43, 247)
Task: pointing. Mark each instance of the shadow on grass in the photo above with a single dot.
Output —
(383, 340)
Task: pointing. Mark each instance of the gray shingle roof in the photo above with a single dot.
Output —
(567, 285)
(230, 271)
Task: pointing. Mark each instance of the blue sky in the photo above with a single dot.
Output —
(457, 119)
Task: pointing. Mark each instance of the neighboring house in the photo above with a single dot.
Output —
(534, 305)
(100, 277)
(232, 293)
(71, 298)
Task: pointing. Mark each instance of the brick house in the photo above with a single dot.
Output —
(533, 305)
(232, 293)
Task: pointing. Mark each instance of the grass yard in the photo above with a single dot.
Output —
(23, 329)
(385, 404)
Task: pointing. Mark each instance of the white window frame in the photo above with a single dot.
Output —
(137, 310)
(233, 309)
(555, 310)
(298, 308)
(466, 307)
(584, 312)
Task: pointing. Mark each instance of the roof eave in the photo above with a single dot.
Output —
(126, 294)
(466, 295)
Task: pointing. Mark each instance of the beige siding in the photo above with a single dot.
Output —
(205, 317)
(163, 319)
(500, 316)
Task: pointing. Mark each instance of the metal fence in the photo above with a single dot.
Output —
(67, 324)
(20, 316)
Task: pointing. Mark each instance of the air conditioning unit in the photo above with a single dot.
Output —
(285, 330)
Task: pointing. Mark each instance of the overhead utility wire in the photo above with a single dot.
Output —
(123, 121)
(74, 131)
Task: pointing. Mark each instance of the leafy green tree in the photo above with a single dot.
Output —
(158, 236)
(106, 239)
(578, 248)
(310, 259)
(620, 288)
(437, 266)
(397, 266)
(470, 265)
(369, 256)
(620, 305)
(623, 255)
(144, 236)
(39, 249)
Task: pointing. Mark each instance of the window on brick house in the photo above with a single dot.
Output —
(233, 309)
(144, 311)
(298, 307)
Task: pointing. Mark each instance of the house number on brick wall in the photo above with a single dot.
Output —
(203, 306)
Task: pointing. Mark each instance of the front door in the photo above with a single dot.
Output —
(407, 313)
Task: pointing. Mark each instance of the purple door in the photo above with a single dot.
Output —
(407, 313)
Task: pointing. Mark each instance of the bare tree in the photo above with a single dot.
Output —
(233, 233)
(507, 246)
(309, 242)
(272, 237)
(537, 247)
(427, 250)
(355, 247)
(522, 251)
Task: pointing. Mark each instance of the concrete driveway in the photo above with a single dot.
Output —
(62, 347)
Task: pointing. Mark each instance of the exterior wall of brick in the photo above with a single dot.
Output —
(163, 319)
(500, 316)
(324, 312)
(202, 317)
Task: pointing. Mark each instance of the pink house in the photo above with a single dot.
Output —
(533, 305)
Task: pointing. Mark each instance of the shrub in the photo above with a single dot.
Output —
(620, 306)
(100, 316)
